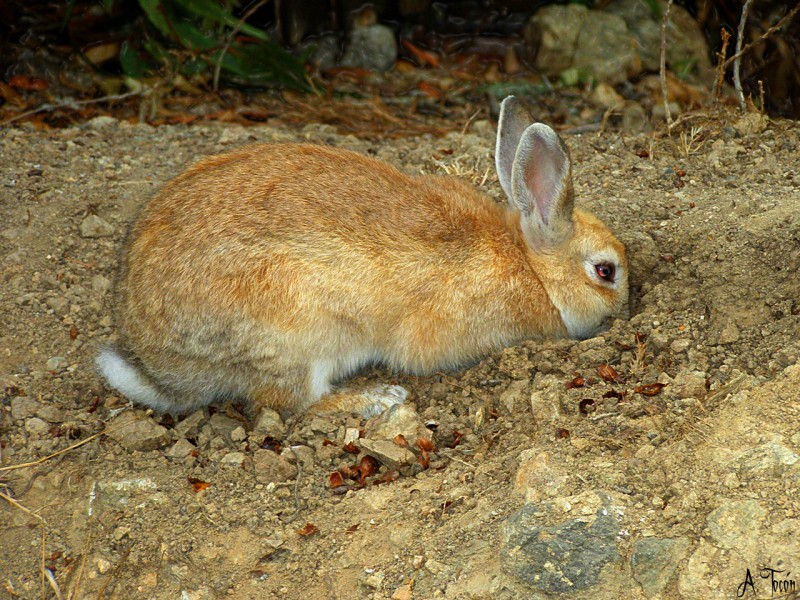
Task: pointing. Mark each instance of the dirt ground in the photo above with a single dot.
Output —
(550, 474)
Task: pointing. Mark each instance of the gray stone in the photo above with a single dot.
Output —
(634, 118)
(270, 423)
(223, 425)
(389, 453)
(655, 561)
(400, 419)
(239, 434)
(190, 426)
(94, 227)
(181, 449)
(686, 49)
(101, 284)
(272, 468)
(23, 407)
(371, 47)
(59, 304)
(233, 459)
(771, 460)
(57, 363)
(136, 431)
(439, 391)
(516, 395)
(561, 38)
(563, 557)
(51, 414)
(688, 384)
(36, 426)
(101, 122)
(680, 345)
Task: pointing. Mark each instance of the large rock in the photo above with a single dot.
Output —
(371, 47)
(553, 555)
(616, 43)
(686, 50)
(559, 38)
(655, 561)
(134, 430)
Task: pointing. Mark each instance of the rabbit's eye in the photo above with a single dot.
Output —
(605, 271)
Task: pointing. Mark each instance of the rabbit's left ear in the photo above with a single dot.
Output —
(541, 187)
(514, 119)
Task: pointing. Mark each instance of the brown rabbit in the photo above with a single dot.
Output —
(271, 272)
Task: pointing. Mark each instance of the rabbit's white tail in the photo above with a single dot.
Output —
(126, 378)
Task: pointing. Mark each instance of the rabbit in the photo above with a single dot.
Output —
(274, 271)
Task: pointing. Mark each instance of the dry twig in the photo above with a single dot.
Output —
(233, 34)
(663, 67)
(70, 104)
(737, 62)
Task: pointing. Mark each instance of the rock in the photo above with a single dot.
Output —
(439, 391)
(326, 50)
(736, 524)
(181, 449)
(537, 477)
(101, 122)
(686, 50)
(51, 414)
(560, 38)
(655, 561)
(768, 460)
(23, 407)
(239, 434)
(36, 426)
(389, 453)
(688, 384)
(57, 364)
(120, 494)
(634, 118)
(564, 556)
(101, 284)
(270, 423)
(752, 123)
(223, 425)
(272, 468)
(400, 419)
(371, 47)
(233, 459)
(59, 304)
(402, 593)
(94, 227)
(136, 431)
(516, 395)
(729, 333)
(680, 345)
(190, 426)
(605, 96)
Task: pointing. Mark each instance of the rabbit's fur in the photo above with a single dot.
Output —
(273, 271)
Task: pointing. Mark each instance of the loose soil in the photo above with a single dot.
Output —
(711, 220)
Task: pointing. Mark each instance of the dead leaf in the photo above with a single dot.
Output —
(562, 433)
(198, 485)
(577, 382)
(650, 389)
(388, 477)
(608, 373)
(586, 406)
(400, 440)
(308, 529)
(424, 57)
(336, 479)
(351, 448)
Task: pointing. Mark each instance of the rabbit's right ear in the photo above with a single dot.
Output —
(541, 187)
(514, 119)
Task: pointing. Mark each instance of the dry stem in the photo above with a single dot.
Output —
(737, 62)
(663, 69)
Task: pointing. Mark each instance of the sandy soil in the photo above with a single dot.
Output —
(694, 482)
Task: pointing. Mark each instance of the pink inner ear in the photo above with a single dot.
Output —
(544, 178)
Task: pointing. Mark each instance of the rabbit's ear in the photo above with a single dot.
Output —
(510, 127)
(541, 187)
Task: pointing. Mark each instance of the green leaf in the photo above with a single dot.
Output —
(132, 63)
(155, 13)
(212, 10)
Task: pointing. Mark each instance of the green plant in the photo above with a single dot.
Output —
(195, 37)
